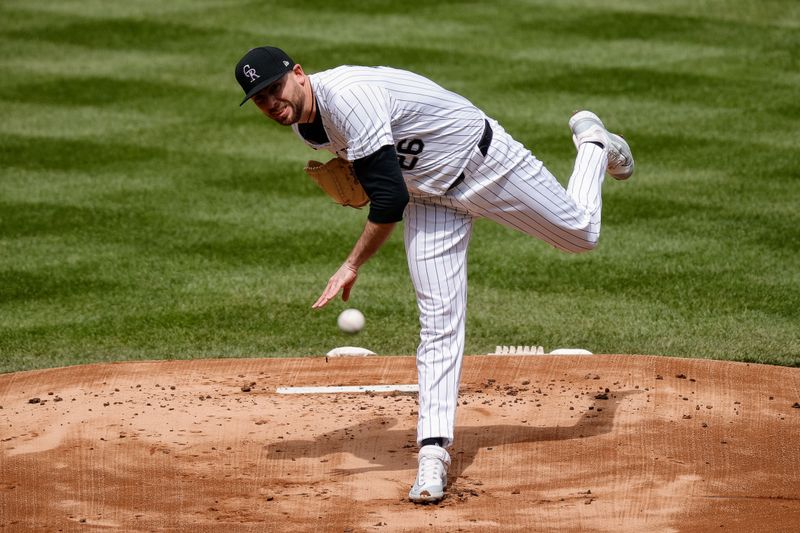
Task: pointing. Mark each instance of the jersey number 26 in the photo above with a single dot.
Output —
(408, 150)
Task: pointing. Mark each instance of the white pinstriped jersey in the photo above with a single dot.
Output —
(435, 133)
(432, 129)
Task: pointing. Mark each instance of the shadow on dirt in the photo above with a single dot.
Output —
(388, 448)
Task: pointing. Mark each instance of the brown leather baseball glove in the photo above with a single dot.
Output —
(337, 179)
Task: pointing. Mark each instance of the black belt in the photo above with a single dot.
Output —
(483, 146)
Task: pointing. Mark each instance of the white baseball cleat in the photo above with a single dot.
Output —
(431, 476)
(587, 127)
(620, 158)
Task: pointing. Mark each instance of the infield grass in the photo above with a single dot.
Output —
(143, 215)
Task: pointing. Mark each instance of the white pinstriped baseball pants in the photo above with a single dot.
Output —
(513, 188)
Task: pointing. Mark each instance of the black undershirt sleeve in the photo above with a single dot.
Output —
(380, 175)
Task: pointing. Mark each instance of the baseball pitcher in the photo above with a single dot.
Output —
(419, 153)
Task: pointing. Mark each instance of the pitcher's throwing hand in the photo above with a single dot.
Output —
(343, 280)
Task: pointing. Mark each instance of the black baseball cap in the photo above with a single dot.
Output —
(261, 66)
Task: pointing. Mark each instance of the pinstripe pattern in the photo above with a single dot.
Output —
(436, 240)
(365, 108)
(513, 188)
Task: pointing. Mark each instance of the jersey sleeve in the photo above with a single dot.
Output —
(362, 114)
(380, 175)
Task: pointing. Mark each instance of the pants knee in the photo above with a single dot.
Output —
(581, 243)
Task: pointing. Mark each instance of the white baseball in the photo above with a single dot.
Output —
(351, 321)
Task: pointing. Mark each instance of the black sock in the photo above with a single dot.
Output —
(437, 441)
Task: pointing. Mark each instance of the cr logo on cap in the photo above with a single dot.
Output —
(250, 72)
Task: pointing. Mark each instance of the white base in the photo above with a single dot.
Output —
(349, 351)
(570, 351)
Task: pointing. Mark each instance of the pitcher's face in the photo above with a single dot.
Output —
(284, 101)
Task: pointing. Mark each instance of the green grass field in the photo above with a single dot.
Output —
(144, 215)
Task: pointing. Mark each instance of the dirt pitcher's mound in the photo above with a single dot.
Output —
(569, 443)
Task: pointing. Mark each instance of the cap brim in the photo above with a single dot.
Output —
(261, 86)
